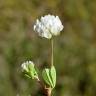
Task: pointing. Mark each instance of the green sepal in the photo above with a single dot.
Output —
(53, 76)
(33, 73)
(49, 76)
(46, 76)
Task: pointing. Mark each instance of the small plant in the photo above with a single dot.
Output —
(48, 27)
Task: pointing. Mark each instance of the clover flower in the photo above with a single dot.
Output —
(25, 65)
(29, 69)
(48, 26)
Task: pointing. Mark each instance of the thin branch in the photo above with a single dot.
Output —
(46, 90)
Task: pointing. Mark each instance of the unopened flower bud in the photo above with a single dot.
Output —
(29, 69)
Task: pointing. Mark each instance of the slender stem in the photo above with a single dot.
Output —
(52, 51)
(47, 91)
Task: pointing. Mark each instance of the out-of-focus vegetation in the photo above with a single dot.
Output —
(74, 51)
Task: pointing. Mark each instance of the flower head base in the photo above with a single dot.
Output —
(29, 70)
(48, 26)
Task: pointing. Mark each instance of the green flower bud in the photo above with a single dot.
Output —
(49, 76)
(29, 70)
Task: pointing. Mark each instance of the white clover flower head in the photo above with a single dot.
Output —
(25, 65)
(29, 70)
(48, 26)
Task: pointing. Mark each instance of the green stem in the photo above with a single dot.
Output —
(52, 51)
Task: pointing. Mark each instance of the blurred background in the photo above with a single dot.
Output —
(74, 49)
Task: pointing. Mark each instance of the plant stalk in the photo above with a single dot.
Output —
(52, 51)
(48, 91)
